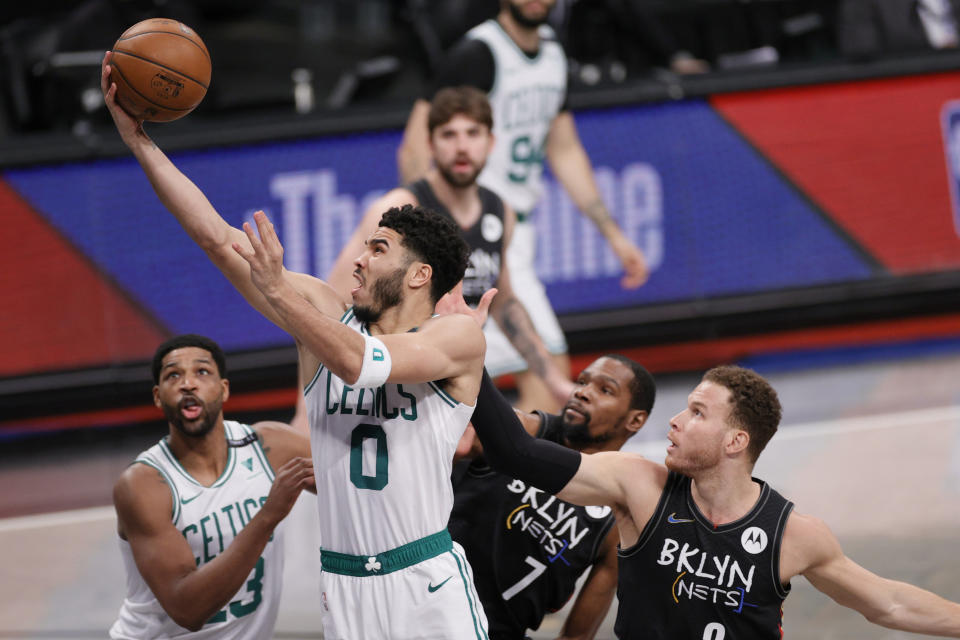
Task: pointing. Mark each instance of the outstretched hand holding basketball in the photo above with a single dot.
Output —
(126, 125)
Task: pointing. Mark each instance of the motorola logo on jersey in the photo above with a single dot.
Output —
(598, 512)
(754, 540)
(491, 227)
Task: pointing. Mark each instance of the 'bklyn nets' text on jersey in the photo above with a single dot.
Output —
(527, 94)
(209, 518)
(382, 459)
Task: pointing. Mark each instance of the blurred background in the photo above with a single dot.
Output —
(791, 169)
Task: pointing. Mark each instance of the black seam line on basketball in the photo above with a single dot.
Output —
(875, 265)
(132, 88)
(180, 73)
(179, 35)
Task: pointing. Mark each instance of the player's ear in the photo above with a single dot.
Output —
(156, 396)
(226, 388)
(737, 440)
(419, 274)
(636, 418)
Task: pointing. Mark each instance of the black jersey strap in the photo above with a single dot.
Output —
(510, 449)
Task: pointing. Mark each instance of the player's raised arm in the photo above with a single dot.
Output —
(811, 549)
(570, 163)
(192, 594)
(198, 217)
(413, 154)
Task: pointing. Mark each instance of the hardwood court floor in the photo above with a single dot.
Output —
(872, 448)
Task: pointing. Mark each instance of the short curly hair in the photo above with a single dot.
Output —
(188, 340)
(756, 407)
(433, 239)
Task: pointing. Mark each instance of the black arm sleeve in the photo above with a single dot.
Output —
(508, 447)
(468, 62)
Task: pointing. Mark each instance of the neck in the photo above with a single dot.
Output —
(463, 202)
(724, 497)
(415, 309)
(204, 458)
(526, 38)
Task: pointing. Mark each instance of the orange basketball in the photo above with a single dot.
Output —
(161, 68)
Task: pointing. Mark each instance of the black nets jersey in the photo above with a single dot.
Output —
(485, 239)
(527, 548)
(686, 579)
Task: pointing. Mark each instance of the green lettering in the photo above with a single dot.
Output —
(344, 409)
(206, 540)
(330, 410)
(360, 410)
(385, 411)
(412, 413)
(227, 510)
(216, 521)
(246, 505)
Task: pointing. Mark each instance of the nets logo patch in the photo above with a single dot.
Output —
(950, 119)
(754, 540)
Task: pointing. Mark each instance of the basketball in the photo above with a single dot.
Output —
(161, 68)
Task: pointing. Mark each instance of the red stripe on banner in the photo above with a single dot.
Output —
(687, 356)
(870, 154)
(58, 312)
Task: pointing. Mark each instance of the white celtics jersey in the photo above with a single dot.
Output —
(209, 518)
(527, 94)
(382, 459)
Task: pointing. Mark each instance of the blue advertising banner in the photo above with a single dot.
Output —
(713, 217)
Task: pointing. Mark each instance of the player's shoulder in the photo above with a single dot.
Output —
(143, 489)
(280, 442)
(807, 543)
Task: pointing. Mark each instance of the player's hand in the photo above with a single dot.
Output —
(561, 388)
(265, 255)
(634, 264)
(129, 128)
(292, 478)
(453, 302)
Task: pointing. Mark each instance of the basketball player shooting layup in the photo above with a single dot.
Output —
(389, 390)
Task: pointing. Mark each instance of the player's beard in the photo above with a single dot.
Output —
(387, 292)
(458, 181)
(524, 21)
(578, 434)
(198, 429)
(693, 461)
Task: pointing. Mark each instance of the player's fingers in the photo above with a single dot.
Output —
(268, 233)
(254, 239)
(244, 252)
(486, 299)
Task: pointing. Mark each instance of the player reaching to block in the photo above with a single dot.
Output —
(706, 550)
(389, 390)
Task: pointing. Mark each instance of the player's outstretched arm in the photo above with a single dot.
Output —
(197, 216)
(811, 549)
(570, 163)
(192, 594)
(595, 596)
(341, 274)
(584, 479)
(413, 154)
